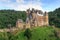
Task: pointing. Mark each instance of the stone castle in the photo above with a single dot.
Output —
(34, 18)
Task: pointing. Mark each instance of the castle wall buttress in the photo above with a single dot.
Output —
(40, 20)
(46, 20)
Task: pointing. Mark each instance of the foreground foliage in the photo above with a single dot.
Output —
(27, 33)
(42, 33)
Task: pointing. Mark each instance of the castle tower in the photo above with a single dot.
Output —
(31, 18)
(28, 19)
(46, 21)
(34, 17)
(40, 18)
(19, 23)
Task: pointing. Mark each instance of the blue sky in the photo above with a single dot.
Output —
(44, 5)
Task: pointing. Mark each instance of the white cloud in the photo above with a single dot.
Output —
(4, 0)
(20, 5)
(19, 1)
(24, 7)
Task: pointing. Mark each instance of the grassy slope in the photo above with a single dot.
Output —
(45, 33)
(42, 33)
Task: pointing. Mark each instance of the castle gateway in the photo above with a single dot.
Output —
(34, 18)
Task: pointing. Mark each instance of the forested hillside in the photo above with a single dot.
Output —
(10, 17)
(54, 17)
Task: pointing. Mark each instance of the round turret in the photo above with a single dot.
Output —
(46, 18)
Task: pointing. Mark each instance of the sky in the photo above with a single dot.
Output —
(21, 5)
